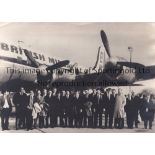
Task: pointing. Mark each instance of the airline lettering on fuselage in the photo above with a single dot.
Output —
(52, 60)
(13, 48)
(19, 50)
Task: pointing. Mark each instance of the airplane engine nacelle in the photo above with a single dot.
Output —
(112, 69)
(119, 72)
(41, 70)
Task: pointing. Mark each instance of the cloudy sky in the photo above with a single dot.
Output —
(79, 41)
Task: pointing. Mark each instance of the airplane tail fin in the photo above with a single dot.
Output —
(100, 61)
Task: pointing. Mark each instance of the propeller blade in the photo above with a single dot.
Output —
(58, 65)
(30, 57)
(131, 64)
(105, 42)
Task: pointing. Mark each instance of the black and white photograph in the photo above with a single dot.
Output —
(77, 77)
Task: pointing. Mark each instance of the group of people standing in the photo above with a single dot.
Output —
(52, 108)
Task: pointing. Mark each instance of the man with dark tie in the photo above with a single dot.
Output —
(111, 107)
(29, 118)
(48, 100)
(59, 110)
(20, 101)
(5, 108)
(93, 100)
(78, 110)
(107, 104)
(137, 104)
(52, 107)
(86, 100)
(98, 109)
(68, 109)
(63, 96)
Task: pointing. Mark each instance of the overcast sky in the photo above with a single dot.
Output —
(79, 41)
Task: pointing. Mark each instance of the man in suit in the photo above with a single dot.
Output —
(68, 109)
(106, 99)
(98, 106)
(77, 110)
(109, 100)
(87, 104)
(112, 106)
(59, 109)
(93, 100)
(129, 109)
(137, 104)
(48, 100)
(63, 96)
(5, 107)
(29, 118)
(52, 107)
(20, 102)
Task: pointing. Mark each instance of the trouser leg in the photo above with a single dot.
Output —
(29, 119)
(23, 118)
(100, 119)
(61, 120)
(47, 120)
(85, 121)
(90, 121)
(150, 124)
(80, 120)
(66, 120)
(131, 122)
(35, 122)
(95, 119)
(122, 123)
(145, 123)
(110, 120)
(40, 122)
(76, 121)
(3, 119)
(136, 120)
(70, 120)
(51, 120)
(7, 119)
(116, 123)
(106, 119)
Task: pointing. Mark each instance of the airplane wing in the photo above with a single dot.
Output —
(131, 64)
(142, 72)
(99, 80)
(104, 79)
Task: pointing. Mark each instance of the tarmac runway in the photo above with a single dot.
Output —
(140, 129)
